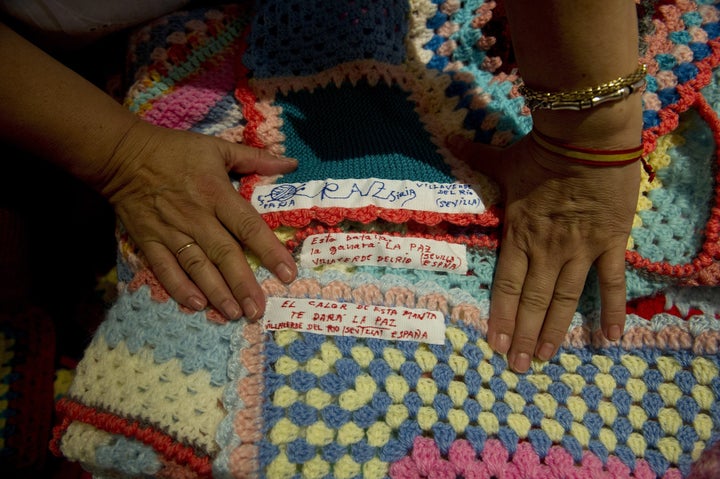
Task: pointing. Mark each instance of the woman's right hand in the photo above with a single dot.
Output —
(171, 189)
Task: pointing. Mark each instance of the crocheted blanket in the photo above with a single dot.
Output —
(373, 363)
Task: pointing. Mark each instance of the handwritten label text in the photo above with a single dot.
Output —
(383, 250)
(351, 319)
(356, 193)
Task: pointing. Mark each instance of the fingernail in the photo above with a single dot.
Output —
(284, 273)
(502, 343)
(250, 308)
(521, 363)
(196, 303)
(614, 332)
(546, 351)
(230, 309)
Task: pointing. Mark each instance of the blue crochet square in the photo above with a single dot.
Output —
(289, 38)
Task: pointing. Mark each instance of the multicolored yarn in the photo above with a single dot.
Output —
(371, 90)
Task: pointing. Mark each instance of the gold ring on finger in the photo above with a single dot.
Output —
(184, 247)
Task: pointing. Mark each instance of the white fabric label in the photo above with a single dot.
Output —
(356, 193)
(383, 250)
(350, 319)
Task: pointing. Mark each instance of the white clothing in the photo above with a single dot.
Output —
(83, 18)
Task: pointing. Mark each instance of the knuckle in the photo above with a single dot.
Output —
(534, 301)
(256, 154)
(166, 276)
(557, 326)
(194, 264)
(158, 267)
(565, 298)
(614, 283)
(553, 334)
(507, 287)
(250, 226)
(219, 253)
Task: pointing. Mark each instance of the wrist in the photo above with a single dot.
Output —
(615, 125)
(120, 160)
(565, 166)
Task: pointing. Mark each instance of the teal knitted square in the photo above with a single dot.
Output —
(357, 131)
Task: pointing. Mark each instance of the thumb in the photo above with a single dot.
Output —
(245, 160)
(484, 158)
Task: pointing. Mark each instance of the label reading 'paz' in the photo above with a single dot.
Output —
(455, 198)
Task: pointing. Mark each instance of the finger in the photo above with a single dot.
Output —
(244, 159)
(252, 231)
(532, 310)
(569, 287)
(222, 271)
(506, 290)
(484, 158)
(202, 263)
(611, 275)
(171, 275)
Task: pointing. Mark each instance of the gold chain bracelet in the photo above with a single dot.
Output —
(585, 98)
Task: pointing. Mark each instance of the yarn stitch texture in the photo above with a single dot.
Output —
(371, 89)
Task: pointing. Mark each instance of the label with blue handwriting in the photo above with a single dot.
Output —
(334, 318)
(383, 250)
(357, 193)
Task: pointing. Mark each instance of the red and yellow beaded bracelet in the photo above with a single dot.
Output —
(592, 156)
(588, 156)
